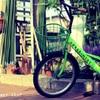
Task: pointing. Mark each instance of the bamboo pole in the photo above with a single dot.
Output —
(41, 14)
(33, 36)
(41, 18)
(37, 44)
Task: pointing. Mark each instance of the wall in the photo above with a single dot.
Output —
(78, 30)
(2, 5)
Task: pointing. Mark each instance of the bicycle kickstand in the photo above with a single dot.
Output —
(94, 80)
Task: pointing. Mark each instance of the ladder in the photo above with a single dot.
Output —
(24, 13)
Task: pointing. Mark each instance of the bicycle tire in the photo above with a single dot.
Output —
(36, 75)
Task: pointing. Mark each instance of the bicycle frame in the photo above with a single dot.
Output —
(85, 56)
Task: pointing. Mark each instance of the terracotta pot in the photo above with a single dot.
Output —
(1, 24)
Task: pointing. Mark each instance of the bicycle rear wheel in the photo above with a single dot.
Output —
(45, 78)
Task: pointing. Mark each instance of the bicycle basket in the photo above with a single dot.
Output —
(51, 37)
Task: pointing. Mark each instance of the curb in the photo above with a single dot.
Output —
(81, 85)
(20, 80)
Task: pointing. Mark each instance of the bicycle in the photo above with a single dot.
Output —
(57, 73)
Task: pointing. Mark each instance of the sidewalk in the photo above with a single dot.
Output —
(13, 92)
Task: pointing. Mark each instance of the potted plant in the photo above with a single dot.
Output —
(92, 26)
(1, 20)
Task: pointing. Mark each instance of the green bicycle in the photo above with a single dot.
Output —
(56, 74)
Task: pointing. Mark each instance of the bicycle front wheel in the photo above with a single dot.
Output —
(46, 80)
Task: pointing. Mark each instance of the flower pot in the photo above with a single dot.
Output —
(1, 24)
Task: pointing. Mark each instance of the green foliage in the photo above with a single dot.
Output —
(52, 3)
(92, 24)
(92, 40)
(93, 15)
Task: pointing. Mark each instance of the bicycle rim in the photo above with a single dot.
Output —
(48, 84)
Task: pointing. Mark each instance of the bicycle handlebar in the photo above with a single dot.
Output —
(73, 7)
(82, 10)
(69, 13)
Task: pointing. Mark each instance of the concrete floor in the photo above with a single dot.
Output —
(13, 92)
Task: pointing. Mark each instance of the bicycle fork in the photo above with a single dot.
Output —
(63, 65)
(65, 57)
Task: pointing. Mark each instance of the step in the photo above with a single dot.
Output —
(85, 85)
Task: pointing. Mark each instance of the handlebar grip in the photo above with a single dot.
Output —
(82, 10)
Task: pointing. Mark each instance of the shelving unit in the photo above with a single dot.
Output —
(24, 12)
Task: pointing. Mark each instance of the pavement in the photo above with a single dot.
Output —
(14, 92)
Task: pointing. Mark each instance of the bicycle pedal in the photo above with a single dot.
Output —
(89, 93)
